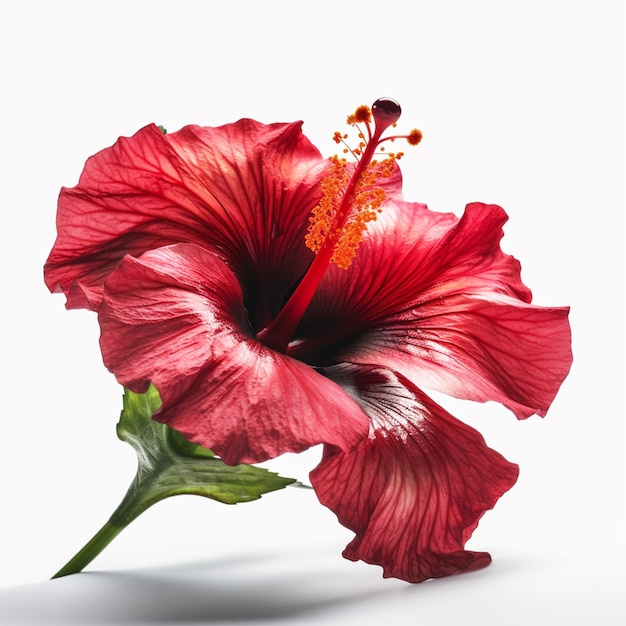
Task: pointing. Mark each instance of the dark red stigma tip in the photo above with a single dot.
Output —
(386, 112)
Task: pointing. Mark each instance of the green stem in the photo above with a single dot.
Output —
(90, 550)
(135, 502)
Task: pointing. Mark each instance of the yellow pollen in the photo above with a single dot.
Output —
(414, 137)
(362, 115)
(330, 222)
(321, 221)
(352, 196)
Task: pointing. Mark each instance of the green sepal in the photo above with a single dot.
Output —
(169, 464)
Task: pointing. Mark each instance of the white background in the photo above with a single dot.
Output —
(521, 104)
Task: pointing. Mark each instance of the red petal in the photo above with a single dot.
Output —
(244, 189)
(414, 491)
(499, 349)
(174, 317)
(434, 297)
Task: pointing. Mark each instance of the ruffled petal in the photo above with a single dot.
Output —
(411, 255)
(414, 491)
(478, 349)
(433, 296)
(174, 317)
(244, 190)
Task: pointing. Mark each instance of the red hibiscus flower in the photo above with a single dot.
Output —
(267, 330)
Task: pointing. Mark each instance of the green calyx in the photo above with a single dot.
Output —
(169, 465)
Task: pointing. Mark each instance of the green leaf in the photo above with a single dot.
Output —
(170, 465)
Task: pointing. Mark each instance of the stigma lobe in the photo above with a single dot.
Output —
(386, 111)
